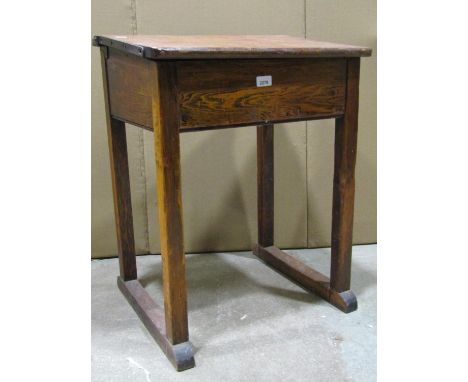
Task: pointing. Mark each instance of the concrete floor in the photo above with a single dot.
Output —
(247, 323)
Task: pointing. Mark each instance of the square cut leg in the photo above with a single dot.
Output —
(344, 183)
(168, 175)
(265, 184)
(122, 199)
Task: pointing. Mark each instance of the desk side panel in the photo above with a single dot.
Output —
(129, 87)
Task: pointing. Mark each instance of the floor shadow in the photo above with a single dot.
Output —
(220, 213)
(210, 274)
(223, 286)
(361, 278)
(207, 274)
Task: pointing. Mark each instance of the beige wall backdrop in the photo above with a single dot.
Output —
(219, 167)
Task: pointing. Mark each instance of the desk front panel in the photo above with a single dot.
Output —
(249, 92)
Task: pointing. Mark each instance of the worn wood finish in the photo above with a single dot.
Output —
(152, 316)
(265, 184)
(162, 47)
(306, 277)
(343, 183)
(167, 150)
(130, 88)
(225, 93)
(120, 185)
(220, 93)
(187, 93)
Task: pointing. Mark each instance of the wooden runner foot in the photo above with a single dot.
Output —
(306, 277)
(152, 316)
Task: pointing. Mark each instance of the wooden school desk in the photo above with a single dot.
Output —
(175, 84)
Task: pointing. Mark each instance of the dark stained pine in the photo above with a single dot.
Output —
(121, 186)
(227, 47)
(172, 84)
(152, 316)
(214, 93)
(265, 184)
(167, 150)
(343, 183)
(130, 88)
(306, 277)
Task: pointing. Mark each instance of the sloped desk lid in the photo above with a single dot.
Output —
(204, 47)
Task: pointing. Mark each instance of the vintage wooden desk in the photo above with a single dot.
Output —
(176, 84)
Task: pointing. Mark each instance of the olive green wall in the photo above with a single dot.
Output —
(218, 167)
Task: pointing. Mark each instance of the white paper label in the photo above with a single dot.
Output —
(264, 81)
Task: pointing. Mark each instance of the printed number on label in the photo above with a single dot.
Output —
(264, 81)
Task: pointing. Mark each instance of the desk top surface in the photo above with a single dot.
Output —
(205, 47)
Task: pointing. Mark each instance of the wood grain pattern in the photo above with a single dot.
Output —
(224, 93)
(171, 96)
(265, 185)
(120, 185)
(152, 316)
(306, 277)
(130, 90)
(167, 151)
(346, 129)
(162, 47)
(221, 93)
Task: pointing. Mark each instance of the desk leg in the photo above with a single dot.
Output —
(343, 184)
(265, 184)
(336, 288)
(122, 199)
(167, 150)
(121, 186)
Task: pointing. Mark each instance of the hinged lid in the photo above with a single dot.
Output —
(205, 47)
